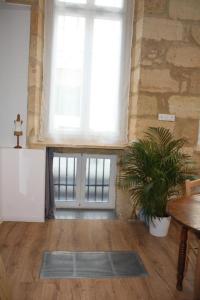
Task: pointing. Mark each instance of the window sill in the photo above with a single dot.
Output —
(44, 144)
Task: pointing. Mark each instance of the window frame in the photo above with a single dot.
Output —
(80, 201)
(121, 135)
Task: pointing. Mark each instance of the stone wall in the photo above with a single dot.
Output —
(169, 64)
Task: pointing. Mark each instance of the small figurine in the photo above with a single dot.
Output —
(18, 130)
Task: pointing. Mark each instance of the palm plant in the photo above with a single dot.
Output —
(153, 169)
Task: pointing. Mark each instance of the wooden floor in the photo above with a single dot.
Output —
(22, 246)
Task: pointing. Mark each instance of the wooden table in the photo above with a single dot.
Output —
(186, 211)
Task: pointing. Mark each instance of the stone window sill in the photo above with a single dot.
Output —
(77, 146)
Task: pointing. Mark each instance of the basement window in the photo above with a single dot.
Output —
(84, 181)
(88, 51)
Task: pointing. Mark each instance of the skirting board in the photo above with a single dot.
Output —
(17, 219)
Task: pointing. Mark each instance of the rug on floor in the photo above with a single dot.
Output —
(61, 264)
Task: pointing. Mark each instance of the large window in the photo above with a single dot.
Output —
(88, 50)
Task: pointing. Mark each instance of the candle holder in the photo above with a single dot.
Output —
(18, 130)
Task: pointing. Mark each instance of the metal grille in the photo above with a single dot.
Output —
(60, 264)
(97, 179)
(84, 180)
(64, 172)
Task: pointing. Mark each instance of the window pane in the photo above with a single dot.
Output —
(105, 76)
(64, 173)
(87, 84)
(74, 1)
(97, 183)
(56, 170)
(110, 3)
(68, 74)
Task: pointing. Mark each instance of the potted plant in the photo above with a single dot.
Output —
(154, 169)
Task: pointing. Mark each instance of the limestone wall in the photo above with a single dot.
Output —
(169, 64)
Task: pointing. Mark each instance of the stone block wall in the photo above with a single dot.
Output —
(169, 64)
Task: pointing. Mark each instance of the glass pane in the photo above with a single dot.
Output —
(55, 170)
(110, 3)
(71, 178)
(56, 192)
(64, 173)
(104, 100)
(73, 1)
(71, 170)
(100, 171)
(62, 193)
(97, 180)
(107, 172)
(62, 170)
(68, 72)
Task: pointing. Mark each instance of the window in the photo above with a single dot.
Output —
(87, 69)
(86, 181)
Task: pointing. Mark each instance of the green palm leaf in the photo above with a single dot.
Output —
(153, 169)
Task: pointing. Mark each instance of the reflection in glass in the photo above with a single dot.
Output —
(105, 65)
(64, 176)
(68, 70)
(97, 180)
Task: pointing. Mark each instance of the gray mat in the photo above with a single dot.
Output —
(60, 264)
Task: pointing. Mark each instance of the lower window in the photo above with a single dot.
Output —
(84, 181)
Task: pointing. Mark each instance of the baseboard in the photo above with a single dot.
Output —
(17, 219)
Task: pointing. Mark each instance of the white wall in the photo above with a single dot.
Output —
(22, 172)
(14, 53)
(22, 185)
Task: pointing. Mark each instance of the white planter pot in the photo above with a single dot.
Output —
(159, 226)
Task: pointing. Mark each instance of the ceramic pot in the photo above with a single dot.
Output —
(159, 226)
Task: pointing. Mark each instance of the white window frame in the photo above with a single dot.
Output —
(80, 201)
(125, 65)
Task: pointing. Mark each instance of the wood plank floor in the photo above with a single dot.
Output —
(22, 246)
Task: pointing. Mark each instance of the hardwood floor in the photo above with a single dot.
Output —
(4, 290)
(22, 246)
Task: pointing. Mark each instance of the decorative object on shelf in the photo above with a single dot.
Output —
(18, 130)
(154, 170)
